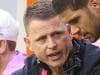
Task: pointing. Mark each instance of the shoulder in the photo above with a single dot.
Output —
(16, 62)
(90, 55)
(91, 62)
(19, 72)
(29, 68)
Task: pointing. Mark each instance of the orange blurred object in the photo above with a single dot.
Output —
(28, 52)
(77, 36)
(30, 2)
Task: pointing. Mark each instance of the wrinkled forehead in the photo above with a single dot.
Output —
(69, 14)
(40, 27)
(65, 15)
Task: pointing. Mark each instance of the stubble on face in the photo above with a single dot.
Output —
(49, 29)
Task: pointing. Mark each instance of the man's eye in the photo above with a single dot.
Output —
(74, 20)
(58, 35)
(41, 40)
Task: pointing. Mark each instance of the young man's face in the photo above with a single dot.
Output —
(82, 21)
(49, 40)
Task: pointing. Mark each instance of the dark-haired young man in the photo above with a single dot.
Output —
(79, 15)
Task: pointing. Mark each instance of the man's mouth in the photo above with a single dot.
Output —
(55, 55)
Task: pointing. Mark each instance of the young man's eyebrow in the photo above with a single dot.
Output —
(74, 19)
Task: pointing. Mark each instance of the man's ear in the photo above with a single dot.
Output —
(28, 46)
(68, 27)
(27, 42)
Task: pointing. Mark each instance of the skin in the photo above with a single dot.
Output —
(94, 6)
(5, 55)
(3, 44)
(50, 41)
(82, 22)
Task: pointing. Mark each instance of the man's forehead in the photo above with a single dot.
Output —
(43, 31)
(38, 28)
(70, 14)
(66, 13)
(35, 25)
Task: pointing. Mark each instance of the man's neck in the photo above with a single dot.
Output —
(58, 71)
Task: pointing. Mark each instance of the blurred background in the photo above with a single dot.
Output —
(17, 9)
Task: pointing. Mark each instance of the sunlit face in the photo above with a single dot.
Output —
(81, 22)
(49, 40)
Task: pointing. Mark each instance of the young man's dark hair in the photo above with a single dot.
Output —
(61, 5)
(78, 15)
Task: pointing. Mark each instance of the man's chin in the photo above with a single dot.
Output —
(56, 63)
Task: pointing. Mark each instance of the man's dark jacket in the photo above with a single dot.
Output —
(83, 60)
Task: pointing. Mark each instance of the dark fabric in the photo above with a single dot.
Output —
(91, 64)
(84, 59)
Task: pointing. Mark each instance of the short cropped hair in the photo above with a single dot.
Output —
(40, 10)
(60, 5)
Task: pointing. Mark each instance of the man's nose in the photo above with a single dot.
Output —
(51, 43)
(74, 29)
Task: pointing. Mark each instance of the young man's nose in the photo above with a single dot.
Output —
(74, 29)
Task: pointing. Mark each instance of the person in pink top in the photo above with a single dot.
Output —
(10, 59)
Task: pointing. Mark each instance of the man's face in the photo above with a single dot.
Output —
(82, 22)
(49, 40)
